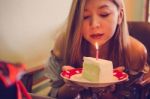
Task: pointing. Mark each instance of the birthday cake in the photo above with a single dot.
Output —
(99, 70)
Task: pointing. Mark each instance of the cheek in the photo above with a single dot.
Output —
(84, 30)
(84, 26)
(110, 31)
(85, 35)
(112, 26)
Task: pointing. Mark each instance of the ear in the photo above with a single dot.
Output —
(120, 16)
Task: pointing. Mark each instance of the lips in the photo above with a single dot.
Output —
(96, 36)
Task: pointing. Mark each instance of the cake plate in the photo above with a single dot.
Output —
(75, 75)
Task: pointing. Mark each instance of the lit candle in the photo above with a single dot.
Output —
(97, 50)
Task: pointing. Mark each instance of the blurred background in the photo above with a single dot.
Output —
(28, 29)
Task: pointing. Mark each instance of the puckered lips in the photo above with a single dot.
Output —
(96, 35)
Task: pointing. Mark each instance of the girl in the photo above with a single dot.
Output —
(90, 21)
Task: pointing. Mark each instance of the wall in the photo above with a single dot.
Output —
(27, 27)
(135, 10)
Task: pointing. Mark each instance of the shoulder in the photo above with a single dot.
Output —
(137, 54)
(137, 46)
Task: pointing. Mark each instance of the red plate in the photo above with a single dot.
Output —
(75, 76)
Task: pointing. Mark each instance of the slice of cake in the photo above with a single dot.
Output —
(97, 70)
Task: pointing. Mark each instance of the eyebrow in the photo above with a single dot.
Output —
(103, 6)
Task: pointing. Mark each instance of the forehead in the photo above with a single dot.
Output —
(91, 4)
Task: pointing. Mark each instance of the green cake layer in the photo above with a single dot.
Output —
(97, 70)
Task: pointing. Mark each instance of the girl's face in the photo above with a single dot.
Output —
(100, 19)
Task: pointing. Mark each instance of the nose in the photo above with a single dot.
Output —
(95, 22)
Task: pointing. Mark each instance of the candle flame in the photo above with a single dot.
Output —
(96, 45)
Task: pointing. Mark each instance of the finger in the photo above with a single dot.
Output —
(145, 81)
(64, 68)
(120, 68)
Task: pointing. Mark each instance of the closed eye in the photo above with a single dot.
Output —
(104, 15)
(86, 17)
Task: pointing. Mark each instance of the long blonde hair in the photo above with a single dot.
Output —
(74, 37)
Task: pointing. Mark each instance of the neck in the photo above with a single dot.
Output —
(103, 51)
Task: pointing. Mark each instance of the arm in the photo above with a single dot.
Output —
(136, 56)
(53, 70)
(138, 60)
(59, 88)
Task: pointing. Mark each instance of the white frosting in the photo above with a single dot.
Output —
(97, 70)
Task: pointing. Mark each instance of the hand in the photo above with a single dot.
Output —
(145, 79)
(120, 68)
(71, 84)
(64, 68)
